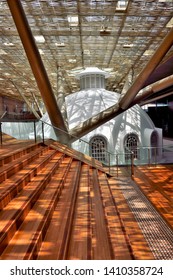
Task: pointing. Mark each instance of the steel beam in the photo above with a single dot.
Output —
(94, 122)
(145, 102)
(37, 67)
(148, 69)
(153, 88)
(60, 96)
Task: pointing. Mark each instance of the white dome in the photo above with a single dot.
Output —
(130, 126)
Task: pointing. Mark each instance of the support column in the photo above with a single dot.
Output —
(128, 82)
(60, 96)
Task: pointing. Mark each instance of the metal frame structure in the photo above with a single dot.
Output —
(40, 36)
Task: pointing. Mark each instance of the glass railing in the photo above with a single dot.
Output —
(142, 156)
(110, 160)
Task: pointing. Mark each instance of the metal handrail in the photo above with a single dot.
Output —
(115, 155)
(132, 161)
(144, 155)
(3, 114)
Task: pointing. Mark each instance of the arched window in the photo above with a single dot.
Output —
(98, 147)
(131, 145)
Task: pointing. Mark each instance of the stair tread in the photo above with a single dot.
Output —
(11, 186)
(18, 208)
(31, 229)
(57, 231)
(80, 248)
(19, 160)
(99, 223)
(117, 234)
(12, 150)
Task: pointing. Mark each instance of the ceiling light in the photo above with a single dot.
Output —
(2, 51)
(39, 39)
(122, 5)
(61, 44)
(41, 51)
(127, 45)
(72, 60)
(148, 52)
(73, 20)
(170, 23)
(86, 52)
(108, 69)
(105, 31)
(8, 44)
(15, 63)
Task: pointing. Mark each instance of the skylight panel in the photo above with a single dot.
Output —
(73, 20)
(39, 39)
(122, 5)
(170, 23)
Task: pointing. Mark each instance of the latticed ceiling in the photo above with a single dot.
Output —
(116, 36)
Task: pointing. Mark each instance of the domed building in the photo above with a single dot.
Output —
(131, 131)
(112, 142)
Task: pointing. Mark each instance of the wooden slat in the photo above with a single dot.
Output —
(80, 241)
(55, 244)
(17, 164)
(12, 186)
(101, 246)
(117, 233)
(33, 229)
(14, 151)
(15, 212)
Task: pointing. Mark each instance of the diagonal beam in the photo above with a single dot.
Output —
(60, 96)
(148, 69)
(95, 122)
(155, 98)
(153, 88)
(37, 66)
